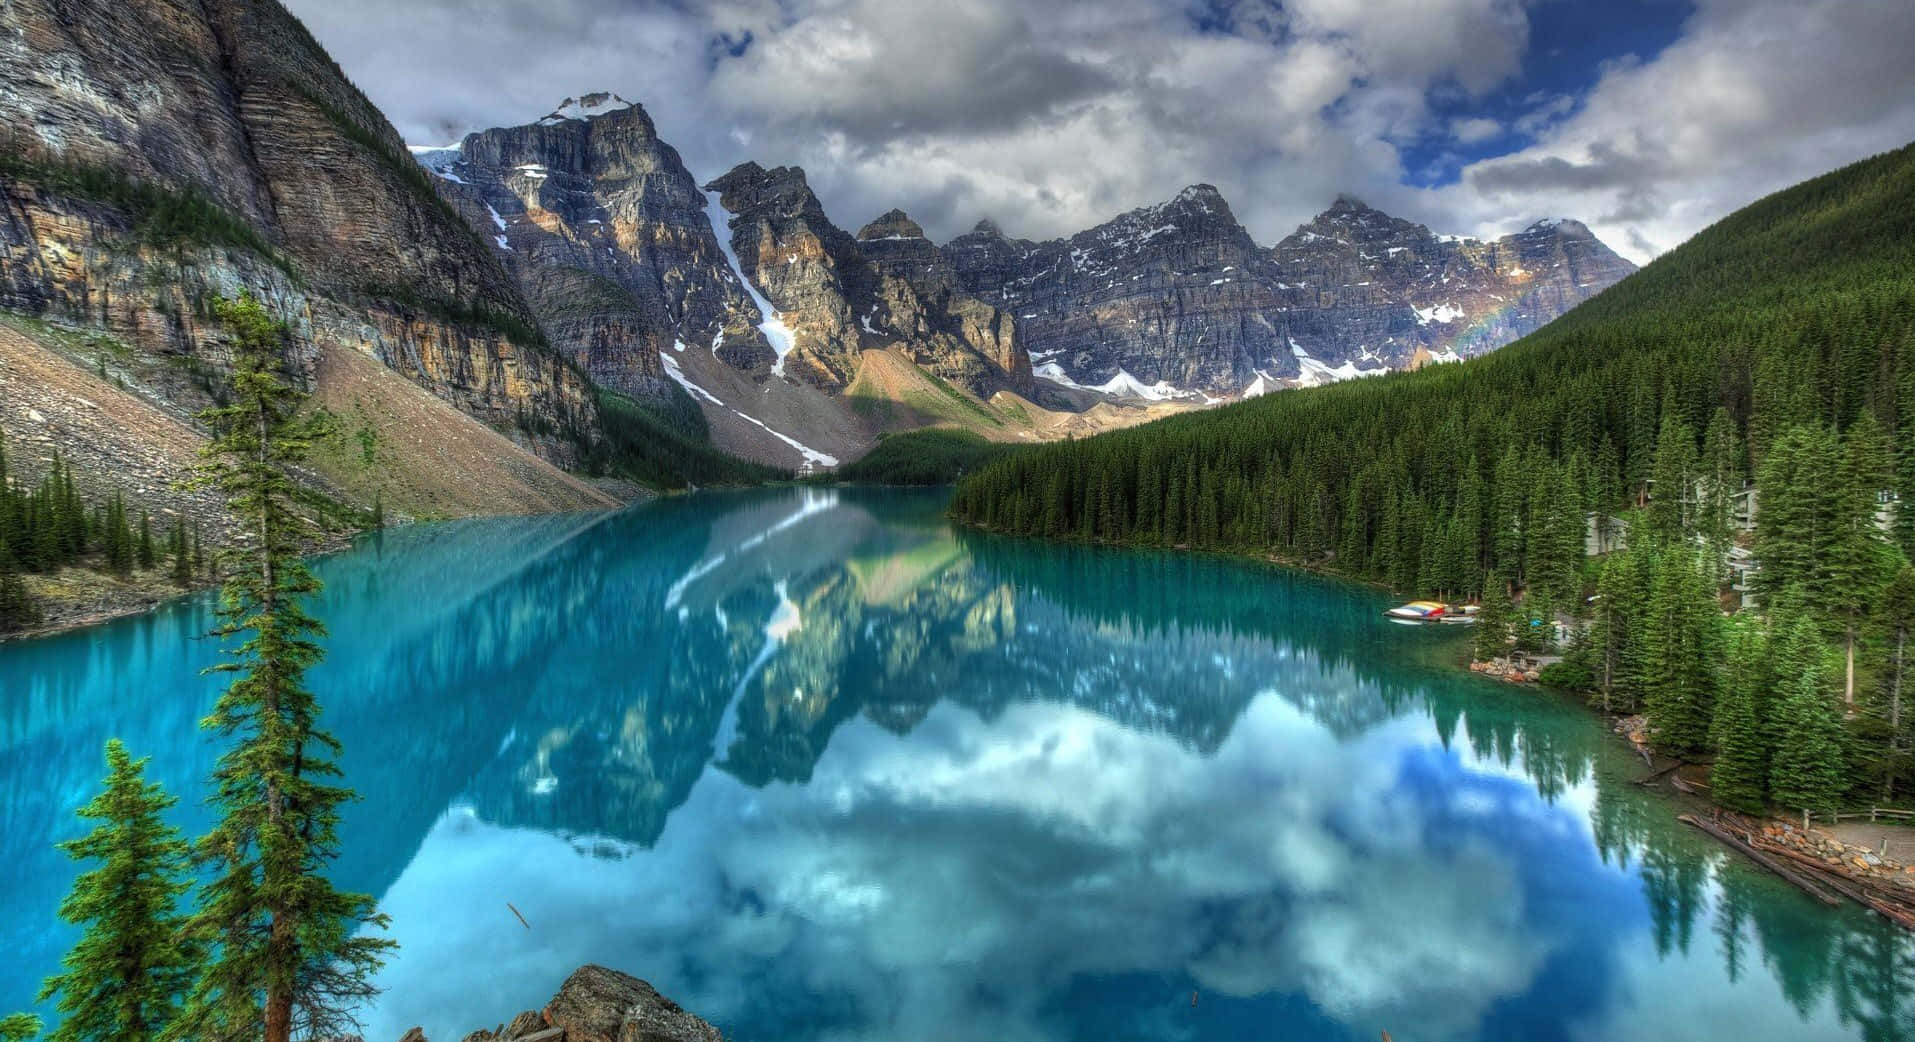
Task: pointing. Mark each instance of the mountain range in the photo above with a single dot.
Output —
(1173, 303)
(541, 282)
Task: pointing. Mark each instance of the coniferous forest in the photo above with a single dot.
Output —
(51, 524)
(1770, 361)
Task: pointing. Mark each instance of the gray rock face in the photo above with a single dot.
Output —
(1179, 293)
(233, 101)
(608, 236)
(1358, 276)
(1172, 293)
(890, 287)
(601, 1005)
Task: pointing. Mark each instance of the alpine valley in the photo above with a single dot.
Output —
(560, 314)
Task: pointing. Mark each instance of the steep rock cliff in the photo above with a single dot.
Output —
(608, 236)
(1162, 300)
(840, 295)
(168, 150)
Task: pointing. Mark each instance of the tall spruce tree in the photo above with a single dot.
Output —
(1888, 721)
(147, 555)
(1798, 514)
(1493, 620)
(1739, 779)
(1672, 498)
(19, 1027)
(123, 979)
(1680, 644)
(1807, 769)
(285, 956)
(1860, 558)
(1618, 624)
(182, 563)
(17, 609)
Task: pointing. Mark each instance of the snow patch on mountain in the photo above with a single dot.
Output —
(1437, 313)
(1316, 373)
(1123, 385)
(777, 334)
(590, 106)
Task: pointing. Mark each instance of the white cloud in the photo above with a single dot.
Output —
(1756, 95)
(1285, 862)
(1474, 130)
(1050, 118)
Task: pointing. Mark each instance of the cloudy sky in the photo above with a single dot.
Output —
(1646, 118)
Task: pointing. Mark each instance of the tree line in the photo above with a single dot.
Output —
(260, 944)
(48, 525)
(1777, 346)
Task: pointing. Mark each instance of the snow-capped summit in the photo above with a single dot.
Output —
(589, 106)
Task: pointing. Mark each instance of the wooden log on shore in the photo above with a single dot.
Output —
(1877, 897)
(1802, 882)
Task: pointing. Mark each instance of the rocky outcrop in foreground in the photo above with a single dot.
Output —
(598, 1005)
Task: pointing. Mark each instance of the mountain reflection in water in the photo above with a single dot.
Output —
(822, 768)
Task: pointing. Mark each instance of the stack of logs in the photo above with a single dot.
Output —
(1827, 880)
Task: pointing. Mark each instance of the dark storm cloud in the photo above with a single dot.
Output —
(1051, 117)
(1606, 168)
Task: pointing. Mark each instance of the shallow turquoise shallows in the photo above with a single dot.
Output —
(821, 767)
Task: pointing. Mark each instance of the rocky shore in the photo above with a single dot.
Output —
(595, 1005)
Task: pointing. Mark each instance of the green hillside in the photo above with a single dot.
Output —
(1776, 347)
(1797, 309)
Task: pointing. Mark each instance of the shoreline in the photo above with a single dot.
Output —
(1858, 865)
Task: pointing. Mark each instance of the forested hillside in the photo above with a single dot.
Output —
(1777, 345)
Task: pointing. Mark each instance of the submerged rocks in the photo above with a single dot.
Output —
(598, 1005)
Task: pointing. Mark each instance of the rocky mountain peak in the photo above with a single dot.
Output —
(1351, 215)
(782, 190)
(893, 225)
(587, 107)
(1566, 227)
(987, 227)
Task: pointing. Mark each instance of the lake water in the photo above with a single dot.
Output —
(820, 767)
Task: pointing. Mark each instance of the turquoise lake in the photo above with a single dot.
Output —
(821, 767)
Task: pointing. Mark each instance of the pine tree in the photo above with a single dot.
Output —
(17, 609)
(1739, 778)
(1617, 626)
(1799, 514)
(1860, 560)
(19, 1027)
(1671, 498)
(122, 980)
(147, 557)
(285, 956)
(182, 563)
(1806, 772)
(1493, 620)
(378, 510)
(1679, 649)
(1888, 721)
